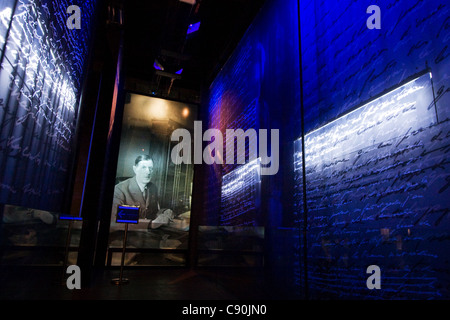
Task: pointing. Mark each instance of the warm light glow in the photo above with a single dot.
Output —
(185, 112)
(158, 109)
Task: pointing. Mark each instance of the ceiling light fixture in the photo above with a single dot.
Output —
(158, 66)
(193, 27)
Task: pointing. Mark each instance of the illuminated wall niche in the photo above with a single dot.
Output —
(375, 189)
(42, 69)
(241, 195)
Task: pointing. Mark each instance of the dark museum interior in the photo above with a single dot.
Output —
(224, 150)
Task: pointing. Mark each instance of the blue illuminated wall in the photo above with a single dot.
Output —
(385, 201)
(345, 64)
(257, 88)
(376, 195)
(42, 70)
(377, 112)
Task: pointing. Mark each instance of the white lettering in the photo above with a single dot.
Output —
(199, 310)
(74, 21)
(213, 152)
(374, 21)
(74, 280)
(374, 281)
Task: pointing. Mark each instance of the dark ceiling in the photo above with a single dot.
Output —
(157, 29)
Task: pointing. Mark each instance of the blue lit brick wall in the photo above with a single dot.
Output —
(258, 88)
(406, 229)
(346, 64)
(387, 206)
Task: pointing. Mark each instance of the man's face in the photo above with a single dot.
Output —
(143, 171)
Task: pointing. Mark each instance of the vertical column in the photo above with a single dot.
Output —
(101, 144)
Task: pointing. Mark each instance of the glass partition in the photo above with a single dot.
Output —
(375, 190)
(147, 178)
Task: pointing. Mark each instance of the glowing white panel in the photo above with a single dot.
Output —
(387, 118)
(5, 19)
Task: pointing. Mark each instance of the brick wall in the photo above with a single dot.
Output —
(402, 186)
(399, 220)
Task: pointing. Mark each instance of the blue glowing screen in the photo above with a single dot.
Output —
(127, 214)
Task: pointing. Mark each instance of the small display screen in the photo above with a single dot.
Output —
(127, 214)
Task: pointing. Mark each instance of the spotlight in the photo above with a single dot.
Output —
(193, 27)
(158, 66)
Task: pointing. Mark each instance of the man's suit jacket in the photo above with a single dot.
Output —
(128, 193)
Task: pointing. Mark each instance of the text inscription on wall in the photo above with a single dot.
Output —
(240, 195)
(42, 67)
(376, 180)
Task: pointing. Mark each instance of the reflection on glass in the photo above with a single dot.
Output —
(23, 228)
(231, 245)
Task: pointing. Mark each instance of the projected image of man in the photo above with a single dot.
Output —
(138, 190)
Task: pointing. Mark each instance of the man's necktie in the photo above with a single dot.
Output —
(145, 194)
(146, 200)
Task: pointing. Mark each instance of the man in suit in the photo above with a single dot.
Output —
(138, 190)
